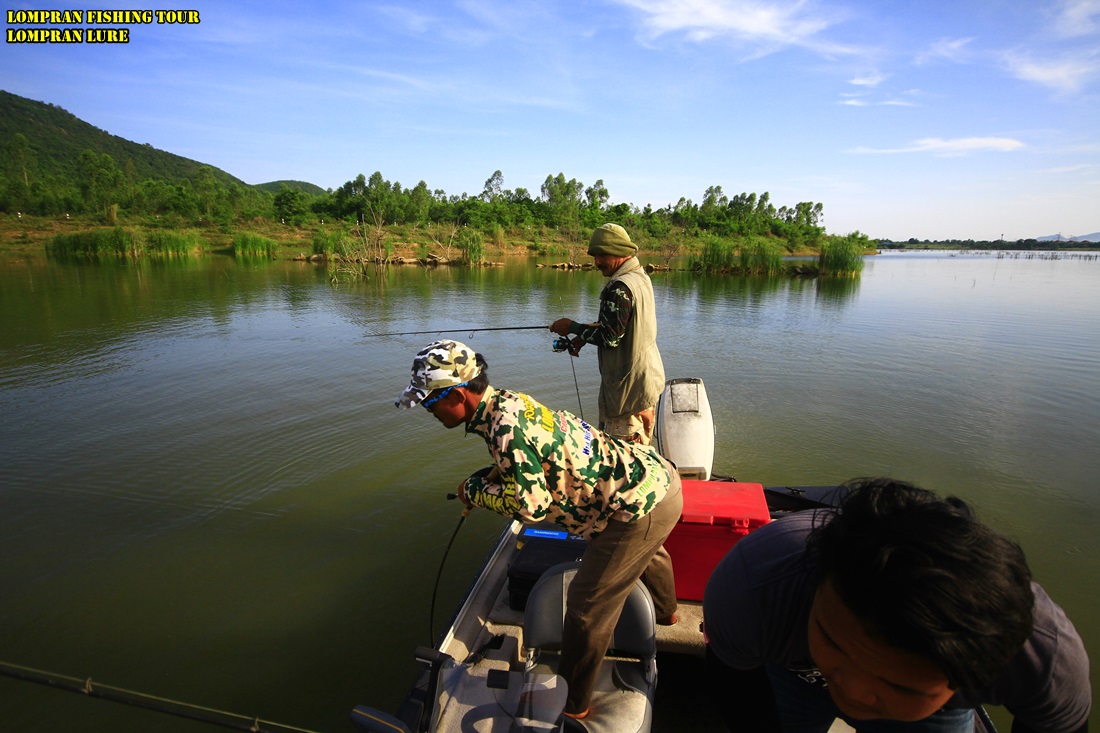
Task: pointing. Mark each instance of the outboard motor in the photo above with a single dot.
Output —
(684, 428)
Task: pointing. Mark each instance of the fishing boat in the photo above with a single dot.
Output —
(494, 667)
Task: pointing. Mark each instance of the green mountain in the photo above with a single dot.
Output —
(56, 139)
(275, 186)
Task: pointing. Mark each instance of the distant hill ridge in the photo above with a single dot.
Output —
(1094, 237)
(57, 138)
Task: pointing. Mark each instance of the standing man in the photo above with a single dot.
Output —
(550, 465)
(632, 375)
(899, 612)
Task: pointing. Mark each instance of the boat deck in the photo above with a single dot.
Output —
(486, 633)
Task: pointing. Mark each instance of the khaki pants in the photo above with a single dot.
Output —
(618, 556)
(636, 428)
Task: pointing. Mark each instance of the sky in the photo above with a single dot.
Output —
(926, 119)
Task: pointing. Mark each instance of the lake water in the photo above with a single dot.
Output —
(206, 493)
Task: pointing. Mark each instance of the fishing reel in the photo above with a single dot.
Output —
(561, 343)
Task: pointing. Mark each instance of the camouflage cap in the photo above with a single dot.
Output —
(440, 364)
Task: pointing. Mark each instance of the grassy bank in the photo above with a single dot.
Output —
(86, 237)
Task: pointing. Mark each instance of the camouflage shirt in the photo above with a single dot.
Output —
(554, 466)
(616, 310)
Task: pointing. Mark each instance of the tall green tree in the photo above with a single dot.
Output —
(100, 181)
(563, 199)
(291, 204)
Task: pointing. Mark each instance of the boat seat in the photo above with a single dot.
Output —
(623, 697)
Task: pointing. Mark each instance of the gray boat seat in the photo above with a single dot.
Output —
(623, 697)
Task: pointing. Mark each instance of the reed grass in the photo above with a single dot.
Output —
(760, 256)
(171, 243)
(472, 245)
(253, 245)
(327, 243)
(94, 243)
(716, 256)
(843, 256)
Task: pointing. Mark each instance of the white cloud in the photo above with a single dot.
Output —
(767, 26)
(949, 49)
(1067, 74)
(860, 102)
(1078, 18)
(872, 79)
(956, 146)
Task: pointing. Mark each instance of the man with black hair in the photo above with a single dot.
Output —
(897, 612)
(551, 466)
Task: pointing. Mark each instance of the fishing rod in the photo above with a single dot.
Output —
(435, 589)
(464, 330)
(148, 702)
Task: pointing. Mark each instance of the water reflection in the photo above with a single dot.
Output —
(210, 445)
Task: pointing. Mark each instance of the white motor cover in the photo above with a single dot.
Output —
(684, 428)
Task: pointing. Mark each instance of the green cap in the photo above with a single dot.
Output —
(611, 239)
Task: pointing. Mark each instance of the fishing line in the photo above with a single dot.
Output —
(148, 702)
(576, 385)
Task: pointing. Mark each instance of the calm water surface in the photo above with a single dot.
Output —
(206, 493)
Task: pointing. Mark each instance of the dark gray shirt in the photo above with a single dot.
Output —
(757, 605)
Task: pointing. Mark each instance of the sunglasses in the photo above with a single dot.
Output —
(432, 400)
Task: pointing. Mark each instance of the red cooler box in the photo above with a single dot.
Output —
(716, 515)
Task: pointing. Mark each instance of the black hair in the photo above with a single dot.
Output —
(926, 576)
(478, 384)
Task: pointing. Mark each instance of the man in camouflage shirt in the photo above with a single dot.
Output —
(549, 465)
(632, 374)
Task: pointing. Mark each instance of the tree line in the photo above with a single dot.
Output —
(100, 187)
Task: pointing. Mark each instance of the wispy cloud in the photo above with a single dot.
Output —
(861, 102)
(864, 99)
(956, 146)
(765, 26)
(1070, 168)
(873, 79)
(1067, 74)
(955, 50)
(1077, 18)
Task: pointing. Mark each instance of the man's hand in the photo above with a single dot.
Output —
(561, 327)
(490, 474)
(575, 346)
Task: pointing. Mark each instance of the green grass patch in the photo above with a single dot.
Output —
(172, 243)
(253, 245)
(760, 256)
(94, 243)
(472, 246)
(328, 243)
(716, 256)
(843, 256)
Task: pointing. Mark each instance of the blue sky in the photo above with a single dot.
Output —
(930, 119)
